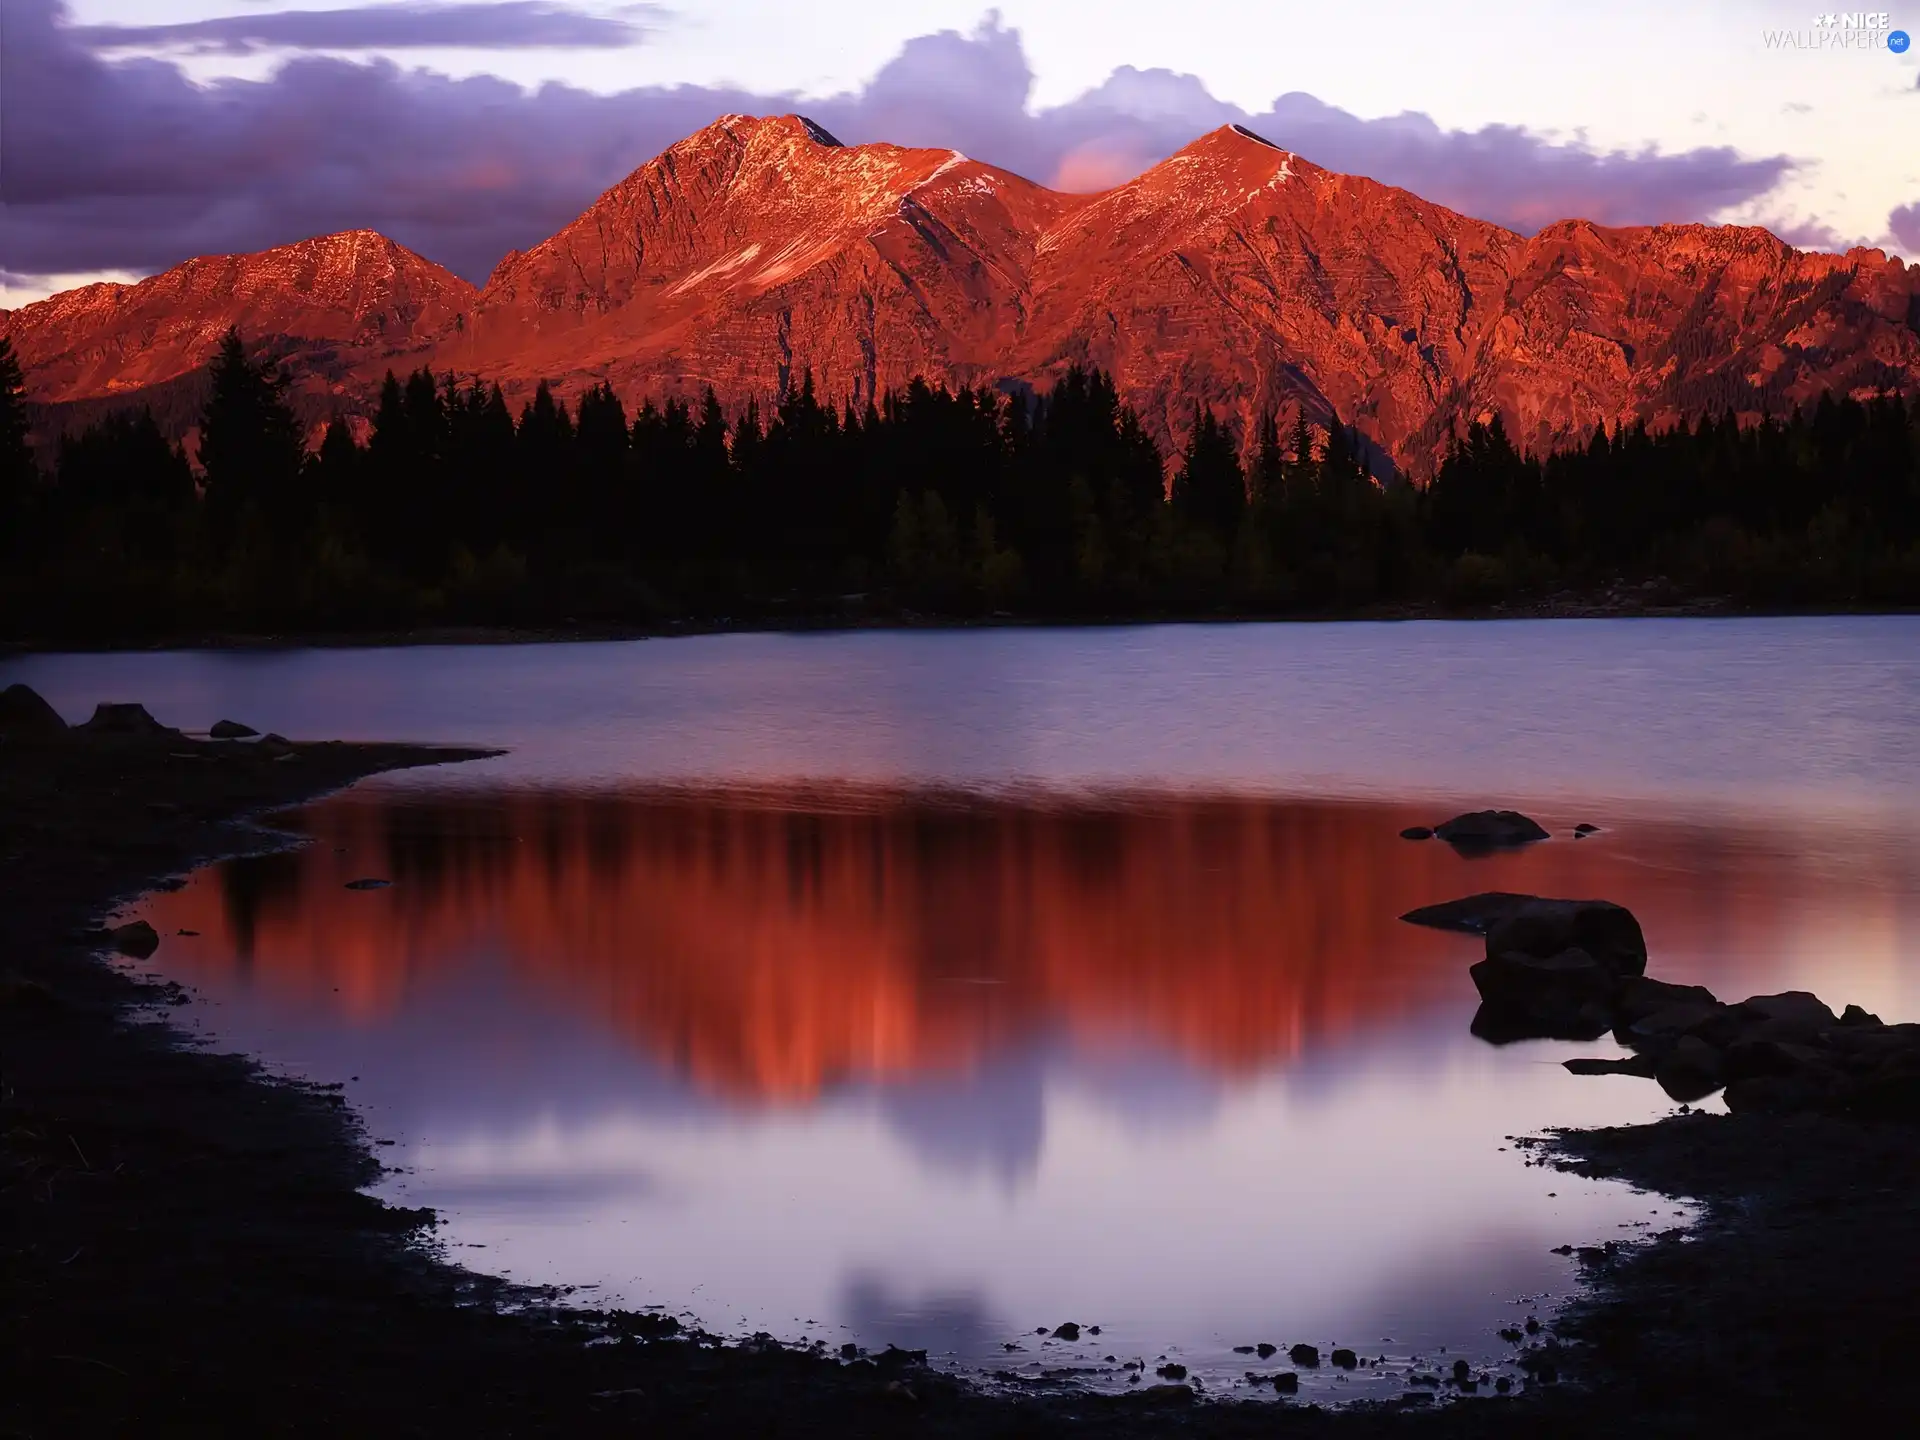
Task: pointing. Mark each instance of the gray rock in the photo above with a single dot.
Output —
(1640, 1065)
(1489, 830)
(25, 716)
(1791, 1015)
(1745, 1059)
(1606, 931)
(1569, 994)
(1471, 915)
(1691, 1070)
(1662, 1029)
(1640, 997)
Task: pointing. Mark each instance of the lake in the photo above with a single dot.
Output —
(936, 988)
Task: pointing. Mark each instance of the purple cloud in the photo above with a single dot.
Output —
(398, 25)
(1904, 224)
(126, 164)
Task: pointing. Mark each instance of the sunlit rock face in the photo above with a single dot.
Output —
(1234, 274)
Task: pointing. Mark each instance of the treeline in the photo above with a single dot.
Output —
(967, 503)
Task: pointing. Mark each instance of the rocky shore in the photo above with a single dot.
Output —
(185, 1248)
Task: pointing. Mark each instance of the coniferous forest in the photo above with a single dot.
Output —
(933, 503)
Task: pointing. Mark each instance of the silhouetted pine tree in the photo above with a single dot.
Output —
(250, 448)
(1209, 489)
(18, 475)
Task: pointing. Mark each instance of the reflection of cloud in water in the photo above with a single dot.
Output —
(954, 1322)
(993, 1119)
(1153, 1094)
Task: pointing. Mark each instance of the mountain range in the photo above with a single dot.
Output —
(1234, 274)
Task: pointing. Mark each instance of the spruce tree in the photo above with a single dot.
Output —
(1209, 489)
(250, 446)
(17, 472)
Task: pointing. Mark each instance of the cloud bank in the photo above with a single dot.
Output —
(406, 25)
(1904, 225)
(126, 164)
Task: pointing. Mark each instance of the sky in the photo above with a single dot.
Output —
(137, 133)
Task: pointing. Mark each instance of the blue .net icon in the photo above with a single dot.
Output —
(1898, 41)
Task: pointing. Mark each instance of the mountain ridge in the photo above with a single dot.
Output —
(1234, 274)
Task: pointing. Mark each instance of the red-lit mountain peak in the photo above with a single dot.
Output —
(358, 293)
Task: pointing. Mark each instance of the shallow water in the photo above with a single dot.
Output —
(929, 989)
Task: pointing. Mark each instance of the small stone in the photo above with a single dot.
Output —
(1533, 1325)
(1582, 830)
(1417, 832)
(1243, 1349)
(1512, 1335)
(1172, 1370)
(372, 884)
(1461, 1372)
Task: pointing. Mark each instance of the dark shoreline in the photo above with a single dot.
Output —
(563, 634)
(188, 1249)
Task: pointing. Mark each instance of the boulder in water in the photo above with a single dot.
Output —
(1490, 830)
(1566, 996)
(1602, 929)
(1471, 915)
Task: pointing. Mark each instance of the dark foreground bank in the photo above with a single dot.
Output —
(185, 1249)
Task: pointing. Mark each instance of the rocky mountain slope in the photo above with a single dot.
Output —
(1234, 274)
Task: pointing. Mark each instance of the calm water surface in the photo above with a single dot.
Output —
(928, 989)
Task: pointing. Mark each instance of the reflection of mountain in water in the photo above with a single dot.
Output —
(773, 949)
